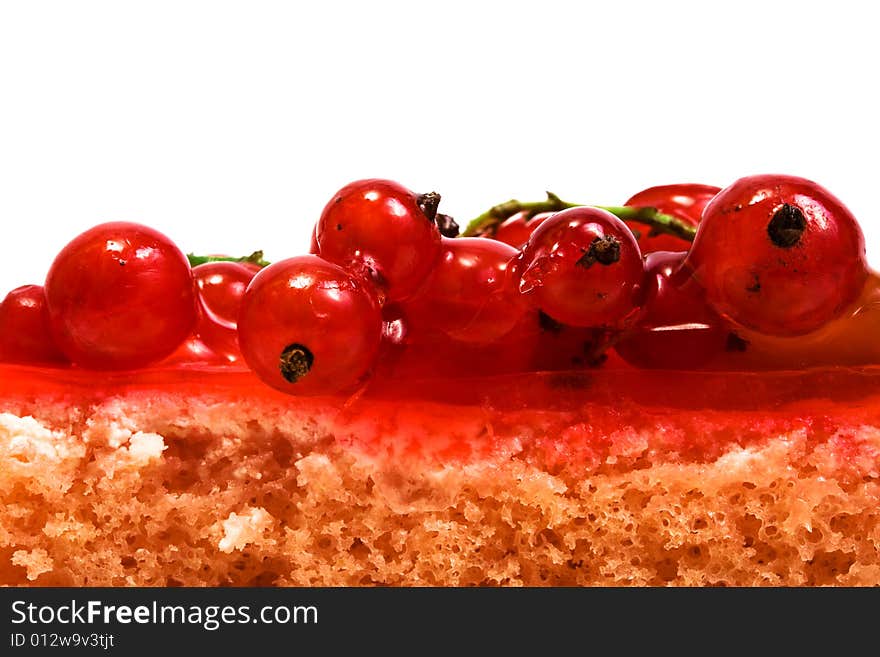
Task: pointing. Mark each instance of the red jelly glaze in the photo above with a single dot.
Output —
(419, 353)
(675, 328)
(849, 340)
(574, 418)
(567, 420)
(194, 352)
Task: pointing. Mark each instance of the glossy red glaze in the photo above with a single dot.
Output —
(317, 305)
(684, 201)
(773, 289)
(535, 344)
(194, 352)
(541, 344)
(120, 296)
(375, 229)
(419, 351)
(25, 335)
(560, 420)
(675, 327)
(573, 418)
(849, 340)
(557, 272)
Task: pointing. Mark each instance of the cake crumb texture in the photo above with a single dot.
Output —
(191, 493)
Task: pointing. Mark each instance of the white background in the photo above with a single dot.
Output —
(228, 125)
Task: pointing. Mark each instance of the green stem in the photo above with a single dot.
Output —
(488, 222)
(255, 258)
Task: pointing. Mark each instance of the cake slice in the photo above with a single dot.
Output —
(403, 407)
(204, 477)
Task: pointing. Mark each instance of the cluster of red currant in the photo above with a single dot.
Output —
(390, 288)
(123, 296)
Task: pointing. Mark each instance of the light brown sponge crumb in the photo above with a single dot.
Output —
(193, 494)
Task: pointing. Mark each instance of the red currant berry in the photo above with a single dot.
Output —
(675, 328)
(517, 229)
(382, 232)
(469, 295)
(778, 254)
(221, 286)
(308, 327)
(313, 242)
(25, 335)
(120, 296)
(684, 201)
(582, 267)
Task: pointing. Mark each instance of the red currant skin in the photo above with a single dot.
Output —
(120, 296)
(684, 201)
(582, 267)
(675, 328)
(469, 295)
(313, 241)
(381, 231)
(308, 327)
(25, 336)
(517, 229)
(778, 254)
(221, 286)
